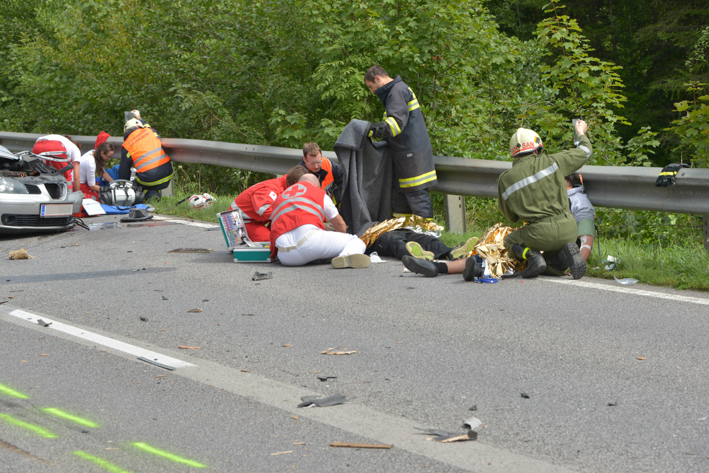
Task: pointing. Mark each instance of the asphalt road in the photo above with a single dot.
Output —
(615, 376)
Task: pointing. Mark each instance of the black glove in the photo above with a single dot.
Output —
(377, 131)
(668, 173)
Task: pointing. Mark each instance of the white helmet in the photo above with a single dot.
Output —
(132, 123)
(524, 141)
(201, 201)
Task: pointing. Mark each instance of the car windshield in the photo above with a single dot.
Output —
(7, 156)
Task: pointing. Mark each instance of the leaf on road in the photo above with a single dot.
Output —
(287, 345)
(642, 358)
(282, 453)
(194, 311)
(337, 351)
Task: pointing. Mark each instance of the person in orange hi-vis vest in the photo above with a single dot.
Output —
(330, 175)
(143, 150)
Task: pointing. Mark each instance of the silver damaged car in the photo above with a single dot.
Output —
(34, 197)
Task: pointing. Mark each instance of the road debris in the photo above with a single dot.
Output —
(154, 362)
(185, 347)
(360, 445)
(282, 453)
(612, 404)
(625, 281)
(246, 371)
(194, 311)
(337, 351)
(250, 315)
(444, 436)
(143, 319)
(192, 250)
(524, 395)
(326, 378)
(43, 323)
(19, 254)
(472, 423)
(298, 443)
(642, 358)
(165, 298)
(612, 262)
(333, 400)
(287, 345)
(261, 276)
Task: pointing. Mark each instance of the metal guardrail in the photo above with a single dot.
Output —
(606, 186)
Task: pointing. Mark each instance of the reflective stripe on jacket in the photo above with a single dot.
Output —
(407, 137)
(534, 188)
(300, 204)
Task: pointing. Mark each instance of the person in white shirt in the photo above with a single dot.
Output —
(92, 163)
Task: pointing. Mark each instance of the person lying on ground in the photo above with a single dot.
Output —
(255, 204)
(404, 242)
(298, 234)
(584, 213)
(93, 163)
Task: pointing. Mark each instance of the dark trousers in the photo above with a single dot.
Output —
(416, 203)
(394, 244)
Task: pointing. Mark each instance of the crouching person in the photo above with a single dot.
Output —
(298, 234)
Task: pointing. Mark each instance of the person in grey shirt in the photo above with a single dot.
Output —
(584, 213)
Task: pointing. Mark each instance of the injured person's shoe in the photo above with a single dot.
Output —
(351, 261)
(417, 251)
(473, 269)
(461, 251)
(420, 266)
(569, 257)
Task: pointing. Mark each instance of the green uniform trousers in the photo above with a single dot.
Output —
(549, 235)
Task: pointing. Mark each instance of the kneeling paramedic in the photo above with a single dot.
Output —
(298, 234)
(330, 175)
(143, 150)
(534, 191)
(255, 204)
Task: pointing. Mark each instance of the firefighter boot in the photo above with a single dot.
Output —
(535, 261)
(473, 269)
(569, 257)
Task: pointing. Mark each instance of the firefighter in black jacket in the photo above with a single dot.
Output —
(404, 129)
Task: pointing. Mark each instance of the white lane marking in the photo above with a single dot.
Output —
(101, 340)
(185, 222)
(628, 290)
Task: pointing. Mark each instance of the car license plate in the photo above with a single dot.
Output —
(56, 210)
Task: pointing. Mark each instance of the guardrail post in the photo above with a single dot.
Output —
(170, 189)
(454, 206)
(706, 232)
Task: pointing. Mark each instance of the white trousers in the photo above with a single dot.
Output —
(318, 245)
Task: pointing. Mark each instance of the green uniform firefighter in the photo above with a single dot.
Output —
(534, 191)
(404, 129)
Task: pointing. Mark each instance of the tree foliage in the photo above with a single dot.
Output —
(289, 71)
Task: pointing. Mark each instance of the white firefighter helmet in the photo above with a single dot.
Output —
(201, 201)
(524, 141)
(132, 123)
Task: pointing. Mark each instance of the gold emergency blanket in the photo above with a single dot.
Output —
(491, 248)
(414, 222)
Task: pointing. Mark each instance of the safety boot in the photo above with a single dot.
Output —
(461, 251)
(535, 261)
(420, 266)
(569, 257)
(417, 251)
(473, 269)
